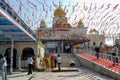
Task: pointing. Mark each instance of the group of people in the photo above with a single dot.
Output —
(55, 60)
(114, 51)
(67, 48)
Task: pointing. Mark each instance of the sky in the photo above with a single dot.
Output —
(102, 15)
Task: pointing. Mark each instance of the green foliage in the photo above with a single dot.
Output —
(40, 41)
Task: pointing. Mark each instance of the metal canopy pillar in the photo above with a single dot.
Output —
(11, 56)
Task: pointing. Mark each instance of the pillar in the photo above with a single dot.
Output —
(11, 56)
(19, 62)
(62, 47)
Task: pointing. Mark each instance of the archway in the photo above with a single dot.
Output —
(25, 53)
(7, 55)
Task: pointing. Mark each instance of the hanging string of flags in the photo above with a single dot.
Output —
(100, 16)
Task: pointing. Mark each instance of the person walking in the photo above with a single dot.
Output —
(59, 60)
(30, 62)
(55, 55)
(93, 48)
(115, 55)
(3, 66)
(97, 50)
(52, 61)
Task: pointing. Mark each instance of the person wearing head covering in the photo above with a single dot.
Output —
(72, 63)
(105, 49)
(52, 60)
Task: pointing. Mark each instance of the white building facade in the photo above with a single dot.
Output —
(21, 51)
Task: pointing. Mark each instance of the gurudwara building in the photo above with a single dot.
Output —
(55, 39)
(61, 33)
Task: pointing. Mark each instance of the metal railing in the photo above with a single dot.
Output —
(106, 60)
(111, 62)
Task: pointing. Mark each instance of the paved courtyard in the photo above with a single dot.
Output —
(82, 74)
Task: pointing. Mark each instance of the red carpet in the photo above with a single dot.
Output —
(108, 64)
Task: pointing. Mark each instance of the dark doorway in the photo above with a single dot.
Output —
(7, 55)
(26, 52)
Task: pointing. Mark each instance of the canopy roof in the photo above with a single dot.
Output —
(13, 27)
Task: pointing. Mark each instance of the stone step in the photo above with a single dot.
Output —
(66, 58)
(65, 69)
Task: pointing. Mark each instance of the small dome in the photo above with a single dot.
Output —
(93, 31)
(59, 11)
(80, 22)
(42, 22)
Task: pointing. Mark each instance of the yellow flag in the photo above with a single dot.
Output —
(17, 18)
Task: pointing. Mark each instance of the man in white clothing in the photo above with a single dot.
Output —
(59, 60)
(30, 62)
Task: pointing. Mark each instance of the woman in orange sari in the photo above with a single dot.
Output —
(52, 60)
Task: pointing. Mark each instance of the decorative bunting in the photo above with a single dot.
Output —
(115, 7)
(43, 8)
(94, 15)
(13, 12)
(20, 8)
(32, 3)
(56, 6)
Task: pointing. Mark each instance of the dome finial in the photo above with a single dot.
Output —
(59, 4)
(59, 11)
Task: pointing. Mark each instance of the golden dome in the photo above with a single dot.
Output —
(42, 22)
(80, 22)
(59, 11)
